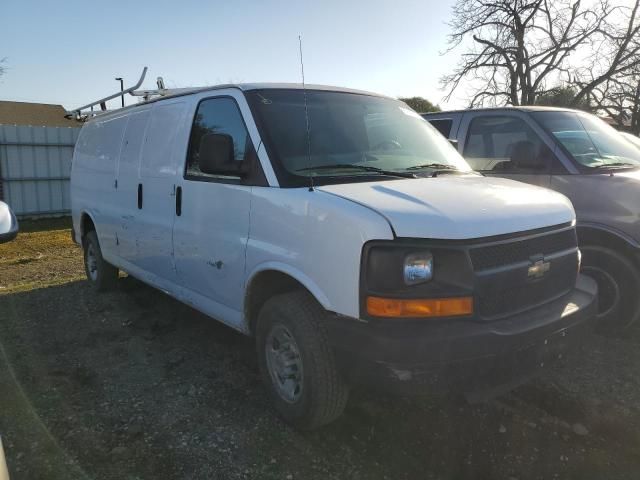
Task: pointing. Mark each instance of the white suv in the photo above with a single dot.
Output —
(341, 230)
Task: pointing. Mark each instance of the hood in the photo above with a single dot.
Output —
(458, 206)
(626, 174)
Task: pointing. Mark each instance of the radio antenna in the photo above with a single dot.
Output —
(306, 112)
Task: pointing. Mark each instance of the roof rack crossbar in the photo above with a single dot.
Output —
(77, 112)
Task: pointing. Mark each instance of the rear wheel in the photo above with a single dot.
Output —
(618, 278)
(297, 363)
(102, 275)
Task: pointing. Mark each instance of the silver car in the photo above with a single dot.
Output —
(582, 157)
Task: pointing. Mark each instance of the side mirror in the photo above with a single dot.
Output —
(8, 223)
(217, 155)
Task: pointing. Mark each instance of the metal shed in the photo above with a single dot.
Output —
(35, 160)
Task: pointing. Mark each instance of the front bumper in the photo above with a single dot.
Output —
(470, 356)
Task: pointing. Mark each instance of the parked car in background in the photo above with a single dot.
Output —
(631, 138)
(339, 229)
(579, 155)
(8, 223)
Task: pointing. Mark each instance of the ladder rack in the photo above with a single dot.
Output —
(86, 111)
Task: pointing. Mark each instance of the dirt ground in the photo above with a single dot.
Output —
(134, 385)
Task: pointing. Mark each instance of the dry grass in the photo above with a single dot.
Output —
(42, 255)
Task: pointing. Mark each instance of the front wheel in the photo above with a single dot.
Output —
(618, 278)
(297, 363)
(101, 274)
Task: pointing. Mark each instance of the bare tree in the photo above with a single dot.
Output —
(520, 49)
(615, 53)
(619, 98)
(562, 96)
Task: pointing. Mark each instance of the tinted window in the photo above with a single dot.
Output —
(443, 125)
(355, 132)
(589, 140)
(505, 143)
(220, 116)
(631, 138)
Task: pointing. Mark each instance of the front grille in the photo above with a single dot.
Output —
(504, 285)
(561, 279)
(507, 253)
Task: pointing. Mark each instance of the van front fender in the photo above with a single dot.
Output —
(295, 274)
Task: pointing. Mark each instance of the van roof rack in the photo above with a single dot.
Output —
(86, 111)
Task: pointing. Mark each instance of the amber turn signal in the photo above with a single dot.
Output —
(424, 307)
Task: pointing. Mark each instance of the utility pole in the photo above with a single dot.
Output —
(119, 79)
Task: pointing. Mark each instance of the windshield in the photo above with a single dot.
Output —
(590, 141)
(631, 138)
(350, 137)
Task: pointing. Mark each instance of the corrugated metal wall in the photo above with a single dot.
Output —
(35, 163)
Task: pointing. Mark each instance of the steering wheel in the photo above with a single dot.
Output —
(388, 145)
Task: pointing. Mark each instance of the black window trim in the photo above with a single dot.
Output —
(442, 119)
(256, 179)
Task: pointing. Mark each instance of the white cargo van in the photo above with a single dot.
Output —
(341, 230)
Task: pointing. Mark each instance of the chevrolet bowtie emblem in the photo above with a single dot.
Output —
(538, 268)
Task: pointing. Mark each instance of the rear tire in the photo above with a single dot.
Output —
(101, 275)
(618, 279)
(297, 363)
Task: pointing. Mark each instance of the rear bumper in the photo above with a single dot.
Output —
(470, 356)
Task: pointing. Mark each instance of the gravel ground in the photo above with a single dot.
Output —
(134, 385)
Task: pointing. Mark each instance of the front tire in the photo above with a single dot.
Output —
(101, 275)
(618, 278)
(297, 363)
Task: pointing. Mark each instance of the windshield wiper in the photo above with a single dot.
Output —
(616, 164)
(364, 168)
(438, 166)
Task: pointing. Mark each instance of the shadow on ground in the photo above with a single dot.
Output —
(132, 384)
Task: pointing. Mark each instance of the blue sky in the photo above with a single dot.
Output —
(69, 52)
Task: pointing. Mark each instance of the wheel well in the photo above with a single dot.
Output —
(263, 286)
(594, 236)
(86, 225)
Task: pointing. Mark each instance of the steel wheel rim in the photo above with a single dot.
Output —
(608, 290)
(284, 363)
(92, 263)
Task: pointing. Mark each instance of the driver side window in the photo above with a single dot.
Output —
(503, 143)
(217, 116)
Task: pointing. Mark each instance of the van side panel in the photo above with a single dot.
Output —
(128, 178)
(315, 237)
(93, 177)
(161, 163)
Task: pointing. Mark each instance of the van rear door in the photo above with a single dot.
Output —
(164, 148)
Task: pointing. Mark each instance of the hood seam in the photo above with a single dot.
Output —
(368, 207)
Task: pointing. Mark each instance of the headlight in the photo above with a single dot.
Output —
(398, 280)
(418, 268)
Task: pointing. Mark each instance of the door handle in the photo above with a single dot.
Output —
(178, 201)
(139, 196)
